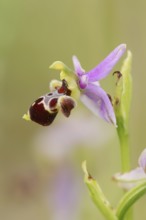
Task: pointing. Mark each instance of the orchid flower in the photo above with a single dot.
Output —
(92, 95)
(130, 179)
(76, 83)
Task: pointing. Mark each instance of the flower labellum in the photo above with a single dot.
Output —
(44, 110)
(39, 113)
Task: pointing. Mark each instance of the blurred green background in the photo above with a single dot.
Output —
(35, 181)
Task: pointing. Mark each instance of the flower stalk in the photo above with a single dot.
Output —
(124, 146)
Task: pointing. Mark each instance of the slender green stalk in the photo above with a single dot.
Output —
(124, 146)
(125, 154)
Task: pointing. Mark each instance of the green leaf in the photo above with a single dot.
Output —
(97, 196)
(129, 199)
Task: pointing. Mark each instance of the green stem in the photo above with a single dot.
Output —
(124, 146)
(125, 153)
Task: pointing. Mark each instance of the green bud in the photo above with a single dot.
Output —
(123, 92)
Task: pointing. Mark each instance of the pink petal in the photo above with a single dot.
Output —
(142, 160)
(96, 99)
(77, 66)
(104, 68)
(130, 179)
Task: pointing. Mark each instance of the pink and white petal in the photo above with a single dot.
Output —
(104, 68)
(142, 160)
(77, 66)
(130, 179)
(96, 99)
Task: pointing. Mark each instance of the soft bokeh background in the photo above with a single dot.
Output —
(40, 168)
